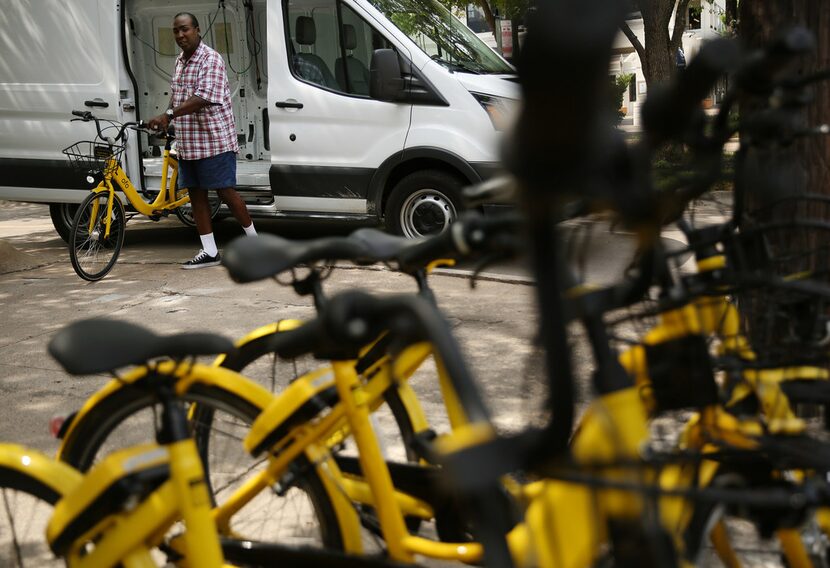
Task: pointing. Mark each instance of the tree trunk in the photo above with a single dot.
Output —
(731, 14)
(488, 14)
(659, 62)
(658, 55)
(809, 157)
(767, 174)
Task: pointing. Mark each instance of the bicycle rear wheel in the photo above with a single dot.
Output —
(25, 509)
(301, 514)
(93, 254)
(185, 212)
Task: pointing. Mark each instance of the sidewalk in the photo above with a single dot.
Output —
(495, 322)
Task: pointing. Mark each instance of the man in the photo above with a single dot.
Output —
(206, 134)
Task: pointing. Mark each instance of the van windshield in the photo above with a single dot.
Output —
(442, 36)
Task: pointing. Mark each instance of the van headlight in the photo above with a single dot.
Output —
(499, 109)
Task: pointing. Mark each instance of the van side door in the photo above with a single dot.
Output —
(328, 136)
(57, 57)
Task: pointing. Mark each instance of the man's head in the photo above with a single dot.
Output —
(186, 32)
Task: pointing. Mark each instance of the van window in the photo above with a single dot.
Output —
(442, 36)
(331, 46)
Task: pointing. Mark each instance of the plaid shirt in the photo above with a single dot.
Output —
(211, 130)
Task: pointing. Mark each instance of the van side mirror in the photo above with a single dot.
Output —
(385, 81)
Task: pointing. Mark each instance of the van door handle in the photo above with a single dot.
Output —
(97, 103)
(288, 104)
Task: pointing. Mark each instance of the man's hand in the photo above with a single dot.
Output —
(159, 123)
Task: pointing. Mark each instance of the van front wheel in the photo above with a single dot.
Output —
(423, 203)
(62, 216)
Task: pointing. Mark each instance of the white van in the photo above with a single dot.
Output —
(370, 110)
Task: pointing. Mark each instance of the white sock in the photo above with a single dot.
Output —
(249, 230)
(208, 244)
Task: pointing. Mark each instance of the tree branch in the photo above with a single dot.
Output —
(635, 41)
(680, 17)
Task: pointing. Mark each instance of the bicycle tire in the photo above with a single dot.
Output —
(23, 545)
(93, 255)
(90, 436)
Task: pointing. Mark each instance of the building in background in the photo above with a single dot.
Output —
(705, 20)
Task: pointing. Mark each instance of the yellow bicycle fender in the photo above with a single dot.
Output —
(93, 401)
(58, 476)
(270, 329)
(222, 378)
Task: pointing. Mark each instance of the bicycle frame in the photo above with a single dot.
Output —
(125, 537)
(166, 200)
(356, 400)
(716, 316)
(128, 537)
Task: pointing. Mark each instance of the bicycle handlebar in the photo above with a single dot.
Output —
(471, 233)
(254, 258)
(140, 126)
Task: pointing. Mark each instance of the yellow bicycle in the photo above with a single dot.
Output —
(122, 509)
(97, 233)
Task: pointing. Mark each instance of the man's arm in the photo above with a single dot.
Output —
(191, 105)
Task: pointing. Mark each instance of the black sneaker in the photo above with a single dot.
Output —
(201, 260)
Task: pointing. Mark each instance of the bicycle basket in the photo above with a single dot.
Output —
(91, 157)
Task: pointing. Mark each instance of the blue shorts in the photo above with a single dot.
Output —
(215, 172)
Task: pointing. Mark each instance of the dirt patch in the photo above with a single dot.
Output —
(13, 260)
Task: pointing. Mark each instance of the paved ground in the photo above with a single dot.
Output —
(39, 294)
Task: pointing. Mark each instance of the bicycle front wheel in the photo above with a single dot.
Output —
(92, 252)
(26, 506)
(300, 513)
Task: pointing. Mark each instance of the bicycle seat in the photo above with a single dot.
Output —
(249, 259)
(254, 258)
(383, 247)
(92, 346)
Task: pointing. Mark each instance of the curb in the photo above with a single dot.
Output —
(455, 273)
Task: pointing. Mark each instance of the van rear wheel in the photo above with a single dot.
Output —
(423, 203)
(62, 216)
